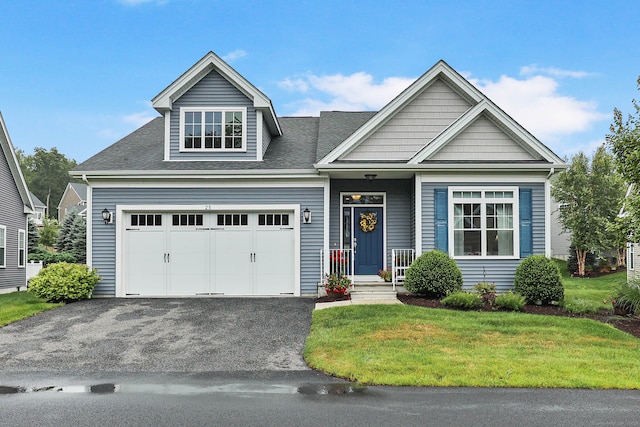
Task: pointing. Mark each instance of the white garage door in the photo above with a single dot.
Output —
(243, 253)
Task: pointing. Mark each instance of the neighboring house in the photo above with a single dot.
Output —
(560, 240)
(633, 249)
(39, 210)
(74, 198)
(15, 205)
(219, 195)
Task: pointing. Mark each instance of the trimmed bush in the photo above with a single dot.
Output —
(628, 297)
(509, 301)
(462, 299)
(433, 274)
(64, 282)
(538, 278)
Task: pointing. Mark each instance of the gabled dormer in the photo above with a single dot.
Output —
(213, 113)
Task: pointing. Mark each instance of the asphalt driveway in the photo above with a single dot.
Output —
(161, 335)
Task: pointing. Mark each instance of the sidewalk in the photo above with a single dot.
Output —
(321, 305)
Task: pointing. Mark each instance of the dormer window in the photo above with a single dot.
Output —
(213, 129)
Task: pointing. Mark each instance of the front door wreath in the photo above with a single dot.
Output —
(368, 221)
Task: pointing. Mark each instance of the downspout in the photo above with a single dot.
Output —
(547, 213)
(89, 221)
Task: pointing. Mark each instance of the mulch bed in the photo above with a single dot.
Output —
(631, 325)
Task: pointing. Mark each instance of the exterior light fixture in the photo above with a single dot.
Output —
(356, 196)
(106, 216)
(370, 176)
(306, 216)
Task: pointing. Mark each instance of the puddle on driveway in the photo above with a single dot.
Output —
(319, 389)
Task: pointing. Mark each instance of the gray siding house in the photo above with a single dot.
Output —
(15, 205)
(220, 196)
(73, 199)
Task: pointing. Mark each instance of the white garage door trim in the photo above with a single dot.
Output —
(121, 226)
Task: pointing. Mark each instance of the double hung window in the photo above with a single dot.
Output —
(211, 129)
(22, 248)
(484, 222)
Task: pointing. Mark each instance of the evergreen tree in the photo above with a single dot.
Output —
(32, 235)
(79, 239)
(65, 236)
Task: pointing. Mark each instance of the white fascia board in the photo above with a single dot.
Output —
(482, 178)
(440, 69)
(164, 100)
(462, 167)
(263, 183)
(191, 174)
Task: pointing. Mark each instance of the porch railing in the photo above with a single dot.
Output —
(336, 261)
(401, 259)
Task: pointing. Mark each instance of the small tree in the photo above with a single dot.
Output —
(624, 140)
(79, 239)
(32, 235)
(590, 194)
(65, 235)
(49, 232)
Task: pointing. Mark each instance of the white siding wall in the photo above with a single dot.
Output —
(414, 126)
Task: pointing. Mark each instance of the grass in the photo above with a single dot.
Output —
(415, 346)
(19, 305)
(590, 293)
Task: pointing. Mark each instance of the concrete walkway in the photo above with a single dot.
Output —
(321, 305)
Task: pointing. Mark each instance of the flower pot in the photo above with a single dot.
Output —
(335, 294)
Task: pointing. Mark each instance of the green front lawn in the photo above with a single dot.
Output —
(18, 305)
(592, 291)
(407, 345)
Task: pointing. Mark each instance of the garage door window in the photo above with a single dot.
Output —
(185, 220)
(233, 219)
(146, 220)
(273, 219)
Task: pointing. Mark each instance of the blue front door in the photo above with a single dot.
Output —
(368, 240)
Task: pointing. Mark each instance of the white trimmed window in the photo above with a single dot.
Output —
(3, 246)
(213, 129)
(484, 222)
(630, 256)
(22, 248)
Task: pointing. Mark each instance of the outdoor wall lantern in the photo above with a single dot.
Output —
(370, 176)
(106, 216)
(306, 216)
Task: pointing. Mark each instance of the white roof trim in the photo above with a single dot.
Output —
(441, 69)
(14, 167)
(527, 141)
(210, 62)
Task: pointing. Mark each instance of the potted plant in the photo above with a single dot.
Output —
(385, 274)
(337, 284)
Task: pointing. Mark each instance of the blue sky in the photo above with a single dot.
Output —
(79, 75)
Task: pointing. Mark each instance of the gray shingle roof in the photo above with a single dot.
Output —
(304, 141)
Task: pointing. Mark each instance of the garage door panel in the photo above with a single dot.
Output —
(146, 263)
(274, 261)
(189, 262)
(233, 254)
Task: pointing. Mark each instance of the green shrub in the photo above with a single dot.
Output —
(433, 273)
(628, 297)
(538, 278)
(49, 257)
(509, 301)
(487, 291)
(64, 282)
(578, 306)
(462, 299)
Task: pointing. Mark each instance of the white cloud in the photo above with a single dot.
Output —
(355, 92)
(536, 104)
(139, 119)
(236, 54)
(552, 71)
